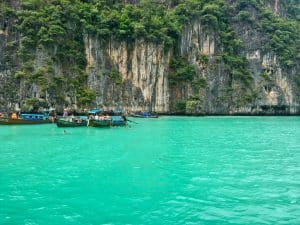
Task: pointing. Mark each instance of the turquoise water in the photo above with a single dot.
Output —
(171, 170)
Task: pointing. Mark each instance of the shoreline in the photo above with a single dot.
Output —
(233, 114)
(195, 114)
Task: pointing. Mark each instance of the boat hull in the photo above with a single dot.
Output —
(142, 116)
(118, 121)
(100, 123)
(8, 121)
(65, 123)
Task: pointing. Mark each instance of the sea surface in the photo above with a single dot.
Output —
(170, 170)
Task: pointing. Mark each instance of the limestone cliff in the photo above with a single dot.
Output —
(135, 75)
(143, 70)
(139, 78)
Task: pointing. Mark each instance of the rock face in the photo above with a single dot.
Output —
(8, 63)
(131, 76)
(143, 72)
(274, 85)
(135, 76)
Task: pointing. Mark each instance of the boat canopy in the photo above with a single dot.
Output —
(146, 114)
(33, 116)
(95, 111)
(118, 110)
(117, 118)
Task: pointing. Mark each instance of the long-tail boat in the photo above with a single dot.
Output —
(117, 121)
(24, 119)
(99, 122)
(144, 115)
(98, 118)
(71, 122)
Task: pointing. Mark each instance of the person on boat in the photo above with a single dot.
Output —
(96, 117)
(53, 118)
(91, 117)
(72, 118)
(18, 114)
(65, 113)
(14, 116)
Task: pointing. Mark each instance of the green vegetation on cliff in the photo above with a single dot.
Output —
(62, 23)
(58, 28)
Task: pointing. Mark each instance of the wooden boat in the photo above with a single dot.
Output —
(106, 119)
(118, 121)
(71, 122)
(144, 115)
(25, 119)
(99, 123)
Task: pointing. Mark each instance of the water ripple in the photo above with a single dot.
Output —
(173, 170)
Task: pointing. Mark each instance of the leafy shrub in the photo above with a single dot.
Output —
(181, 70)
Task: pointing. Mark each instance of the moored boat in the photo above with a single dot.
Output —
(71, 122)
(99, 122)
(99, 118)
(144, 115)
(25, 119)
(118, 121)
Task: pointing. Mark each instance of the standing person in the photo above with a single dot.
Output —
(14, 116)
(90, 117)
(53, 118)
(65, 113)
(18, 114)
